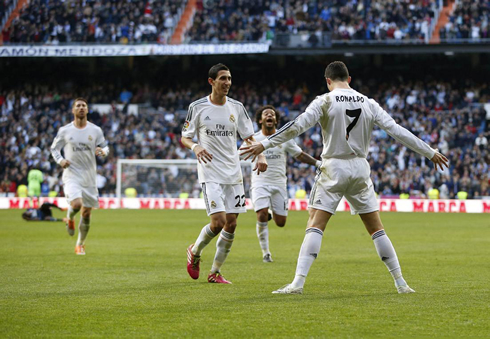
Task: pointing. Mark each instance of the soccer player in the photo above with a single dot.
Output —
(43, 213)
(216, 120)
(347, 118)
(269, 190)
(81, 141)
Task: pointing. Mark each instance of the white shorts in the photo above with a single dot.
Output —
(270, 196)
(223, 198)
(344, 177)
(89, 195)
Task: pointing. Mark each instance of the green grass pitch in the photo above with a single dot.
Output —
(133, 281)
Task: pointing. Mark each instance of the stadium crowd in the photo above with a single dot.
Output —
(102, 21)
(345, 20)
(445, 115)
(469, 20)
(105, 21)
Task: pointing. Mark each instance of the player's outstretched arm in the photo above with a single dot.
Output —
(440, 160)
(261, 164)
(201, 154)
(289, 131)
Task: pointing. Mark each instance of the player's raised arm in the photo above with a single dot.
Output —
(407, 138)
(291, 130)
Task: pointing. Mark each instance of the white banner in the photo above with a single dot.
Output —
(129, 50)
(385, 205)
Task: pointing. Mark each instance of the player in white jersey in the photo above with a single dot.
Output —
(217, 120)
(269, 190)
(81, 141)
(347, 118)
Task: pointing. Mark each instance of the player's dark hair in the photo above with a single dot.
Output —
(79, 99)
(258, 114)
(213, 71)
(25, 215)
(337, 71)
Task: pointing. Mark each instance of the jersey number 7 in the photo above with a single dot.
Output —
(353, 113)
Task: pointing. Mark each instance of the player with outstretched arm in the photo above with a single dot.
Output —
(347, 118)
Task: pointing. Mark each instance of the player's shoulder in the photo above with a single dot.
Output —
(259, 136)
(199, 102)
(93, 126)
(66, 127)
(234, 102)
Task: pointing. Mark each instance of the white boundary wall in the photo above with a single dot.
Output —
(385, 205)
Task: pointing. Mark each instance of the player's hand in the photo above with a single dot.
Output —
(99, 152)
(252, 149)
(261, 165)
(65, 163)
(439, 160)
(202, 154)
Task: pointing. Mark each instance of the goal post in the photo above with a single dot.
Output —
(165, 178)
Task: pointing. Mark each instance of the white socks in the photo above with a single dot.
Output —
(387, 253)
(263, 235)
(70, 214)
(308, 253)
(83, 229)
(203, 240)
(223, 246)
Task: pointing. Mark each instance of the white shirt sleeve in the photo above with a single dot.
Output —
(293, 149)
(299, 125)
(190, 124)
(57, 145)
(402, 135)
(101, 142)
(244, 125)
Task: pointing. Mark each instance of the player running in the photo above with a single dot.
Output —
(217, 120)
(347, 118)
(81, 141)
(269, 190)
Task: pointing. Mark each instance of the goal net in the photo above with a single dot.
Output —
(163, 178)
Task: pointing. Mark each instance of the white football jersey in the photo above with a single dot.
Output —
(217, 128)
(276, 163)
(347, 118)
(79, 148)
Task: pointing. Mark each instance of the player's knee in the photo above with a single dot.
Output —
(76, 205)
(230, 227)
(217, 224)
(262, 215)
(86, 214)
(280, 221)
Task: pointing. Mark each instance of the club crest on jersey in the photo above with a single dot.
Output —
(232, 118)
(213, 204)
(90, 138)
(186, 125)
